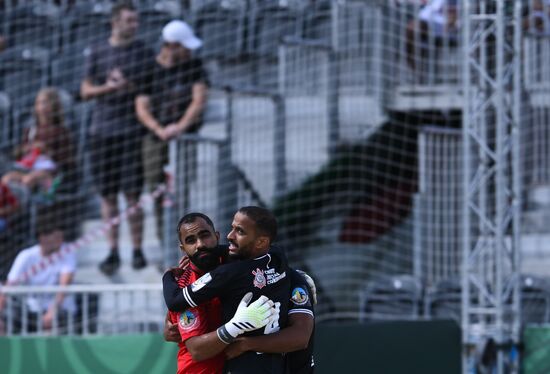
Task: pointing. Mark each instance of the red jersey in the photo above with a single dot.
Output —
(197, 321)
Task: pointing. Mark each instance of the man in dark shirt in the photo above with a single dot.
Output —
(260, 270)
(114, 70)
(170, 103)
(297, 338)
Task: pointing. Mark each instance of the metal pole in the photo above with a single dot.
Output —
(227, 179)
(280, 144)
(466, 172)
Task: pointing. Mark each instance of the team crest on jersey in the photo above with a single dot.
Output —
(201, 282)
(299, 296)
(187, 320)
(259, 278)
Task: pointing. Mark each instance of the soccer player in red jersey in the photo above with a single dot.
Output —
(198, 239)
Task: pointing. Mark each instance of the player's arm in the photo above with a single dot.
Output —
(145, 115)
(292, 338)
(173, 294)
(297, 334)
(205, 346)
(65, 279)
(247, 318)
(89, 90)
(198, 101)
(207, 287)
(171, 332)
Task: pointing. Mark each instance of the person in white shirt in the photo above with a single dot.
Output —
(43, 308)
(438, 21)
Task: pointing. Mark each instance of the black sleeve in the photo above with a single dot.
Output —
(207, 287)
(210, 285)
(199, 73)
(173, 296)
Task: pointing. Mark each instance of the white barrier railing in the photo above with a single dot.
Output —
(437, 233)
(99, 309)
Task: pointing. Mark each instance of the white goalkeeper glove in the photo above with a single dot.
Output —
(247, 318)
(311, 285)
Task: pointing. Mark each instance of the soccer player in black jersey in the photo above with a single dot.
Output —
(297, 338)
(260, 270)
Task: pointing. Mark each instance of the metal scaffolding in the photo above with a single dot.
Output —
(491, 215)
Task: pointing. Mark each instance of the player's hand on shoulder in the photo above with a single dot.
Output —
(311, 284)
(184, 262)
(176, 271)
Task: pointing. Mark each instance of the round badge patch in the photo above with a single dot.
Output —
(299, 296)
(187, 320)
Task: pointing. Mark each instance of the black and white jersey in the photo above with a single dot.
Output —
(300, 362)
(265, 275)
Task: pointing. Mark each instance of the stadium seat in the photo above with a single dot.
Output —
(221, 27)
(444, 300)
(535, 300)
(318, 21)
(86, 24)
(391, 297)
(34, 25)
(268, 23)
(5, 121)
(154, 16)
(23, 70)
(68, 68)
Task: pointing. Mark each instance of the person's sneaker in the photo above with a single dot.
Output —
(138, 260)
(111, 264)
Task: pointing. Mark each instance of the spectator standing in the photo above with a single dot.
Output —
(43, 309)
(113, 73)
(171, 103)
(438, 19)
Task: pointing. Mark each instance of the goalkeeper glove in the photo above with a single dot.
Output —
(311, 285)
(247, 318)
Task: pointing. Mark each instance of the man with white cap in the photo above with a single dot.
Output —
(171, 102)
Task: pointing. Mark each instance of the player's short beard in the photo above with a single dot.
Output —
(205, 259)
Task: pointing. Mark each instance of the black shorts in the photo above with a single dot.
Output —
(116, 164)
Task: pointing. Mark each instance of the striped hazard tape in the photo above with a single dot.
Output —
(87, 238)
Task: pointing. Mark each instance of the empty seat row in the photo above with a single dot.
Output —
(405, 297)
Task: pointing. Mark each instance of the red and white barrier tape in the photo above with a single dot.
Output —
(87, 238)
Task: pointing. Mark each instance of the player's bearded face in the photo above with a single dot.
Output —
(205, 259)
(200, 242)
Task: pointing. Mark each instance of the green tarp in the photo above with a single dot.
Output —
(536, 358)
(376, 348)
(142, 354)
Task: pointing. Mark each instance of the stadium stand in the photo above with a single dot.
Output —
(391, 297)
(344, 117)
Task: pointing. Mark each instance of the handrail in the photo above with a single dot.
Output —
(307, 43)
(77, 288)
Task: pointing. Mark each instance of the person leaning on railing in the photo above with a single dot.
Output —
(44, 312)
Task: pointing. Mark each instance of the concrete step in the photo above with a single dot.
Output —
(90, 255)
